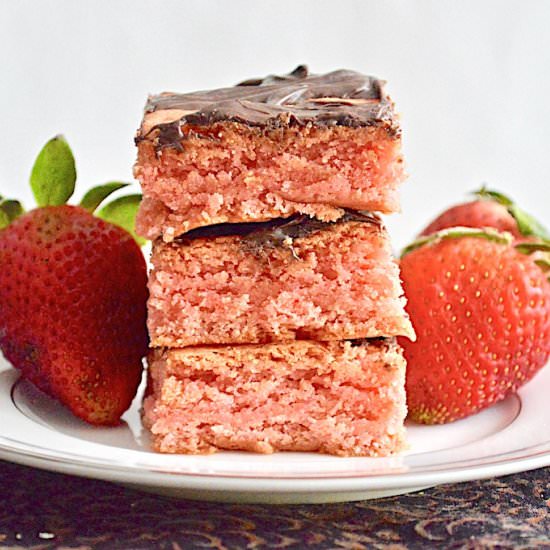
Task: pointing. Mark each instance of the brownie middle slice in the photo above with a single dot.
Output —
(293, 279)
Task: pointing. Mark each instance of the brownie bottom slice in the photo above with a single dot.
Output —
(345, 398)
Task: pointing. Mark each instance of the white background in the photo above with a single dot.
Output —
(471, 79)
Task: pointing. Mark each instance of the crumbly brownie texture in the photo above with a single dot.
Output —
(340, 398)
(300, 279)
(275, 147)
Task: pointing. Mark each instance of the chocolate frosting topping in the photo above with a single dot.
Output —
(338, 98)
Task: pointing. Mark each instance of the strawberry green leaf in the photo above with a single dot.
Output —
(9, 210)
(4, 220)
(457, 233)
(529, 248)
(122, 212)
(53, 175)
(544, 264)
(12, 209)
(95, 196)
(527, 224)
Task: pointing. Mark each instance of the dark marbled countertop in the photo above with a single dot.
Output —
(43, 510)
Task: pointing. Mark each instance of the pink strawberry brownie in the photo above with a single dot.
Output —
(266, 149)
(276, 281)
(344, 398)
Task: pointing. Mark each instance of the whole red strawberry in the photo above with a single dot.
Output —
(72, 295)
(490, 209)
(481, 311)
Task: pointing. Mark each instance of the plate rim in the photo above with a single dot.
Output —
(53, 459)
(151, 478)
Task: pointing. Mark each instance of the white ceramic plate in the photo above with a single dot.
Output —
(511, 436)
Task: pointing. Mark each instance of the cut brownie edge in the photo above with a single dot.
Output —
(303, 280)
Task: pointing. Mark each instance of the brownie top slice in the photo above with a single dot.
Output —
(338, 98)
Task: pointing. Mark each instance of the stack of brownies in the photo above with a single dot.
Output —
(274, 296)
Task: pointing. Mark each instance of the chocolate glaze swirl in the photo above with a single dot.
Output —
(379, 341)
(257, 237)
(338, 98)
